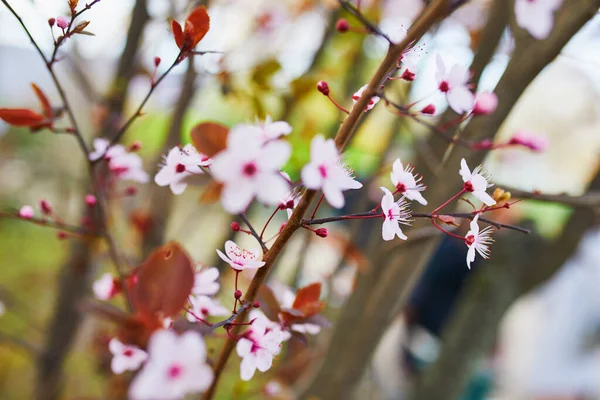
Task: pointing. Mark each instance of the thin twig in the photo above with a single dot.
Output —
(78, 230)
(254, 233)
(371, 27)
(590, 199)
(233, 317)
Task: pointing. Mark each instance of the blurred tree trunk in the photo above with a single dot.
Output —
(380, 293)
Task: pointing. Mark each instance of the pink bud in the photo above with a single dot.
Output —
(61, 235)
(51, 22)
(322, 232)
(135, 146)
(156, 61)
(45, 207)
(429, 109)
(235, 226)
(323, 87)
(531, 141)
(408, 76)
(237, 294)
(342, 25)
(486, 103)
(90, 200)
(256, 304)
(26, 212)
(62, 22)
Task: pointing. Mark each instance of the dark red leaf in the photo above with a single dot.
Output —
(307, 294)
(44, 102)
(196, 25)
(209, 138)
(22, 117)
(177, 33)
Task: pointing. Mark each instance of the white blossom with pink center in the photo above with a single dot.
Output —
(104, 287)
(257, 347)
(453, 83)
(125, 357)
(240, 259)
(178, 165)
(372, 101)
(205, 282)
(125, 166)
(406, 182)
(326, 172)
(258, 314)
(176, 366)
(479, 241)
(394, 214)
(249, 168)
(204, 306)
(536, 16)
(476, 182)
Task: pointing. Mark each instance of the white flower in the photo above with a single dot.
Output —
(204, 306)
(176, 366)
(178, 165)
(104, 287)
(269, 130)
(270, 325)
(125, 357)
(536, 16)
(257, 348)
(240, 259)
(374, 100)
(326, 172)
(205, 282)
(453, 84)
(100, 147)
(247, 168)
(476, 182)
(406, 183)
(128, 167)
(476, 240)
(394, 214)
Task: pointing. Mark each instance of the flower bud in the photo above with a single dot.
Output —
(322, 232)
(130, 191)
(500, 195)
(237, 294)
(135, 146)
(156, 61)
(45, 207)
(235, 226)
(256, 304)
(90, 200)
(342, 25)
(62, 22)
(429, 109)
(51, 22)
(486, 103)
(61, 235)
(26, 212)
(323, 87)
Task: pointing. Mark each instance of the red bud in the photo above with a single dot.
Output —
(323, 87)
(322, 232)
(342, 25)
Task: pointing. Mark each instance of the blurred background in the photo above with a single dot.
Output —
(272, 53)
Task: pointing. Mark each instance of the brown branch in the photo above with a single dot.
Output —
(590, 199)
(371, 27)
(19, 342)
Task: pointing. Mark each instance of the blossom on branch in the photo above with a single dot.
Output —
(476, 182)
(453, 84)
(125, 357)
(204, 306)
(407, 183)
(372, 101)
(122, 164)
(479, 241)
(176, 366)
(105, 287)
(205, 282)
(536, 16)
(240, 259)
(327, 173)
(394, 214)
(178, 165)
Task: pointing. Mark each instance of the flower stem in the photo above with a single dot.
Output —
(448, 201)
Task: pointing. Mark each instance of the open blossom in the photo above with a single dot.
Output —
(240, 259)
(125, 357)
(26, 212)
(178, 165)
(326, 172)
(454, 84)
(257, 348)
(479, 241)
(270, 325)
(485, 103)
(536, 16)
(125, 166)
(249, 168)
(394, 214)
(176, 366)
(406, 183)
(205, 282)
(374, 100)
(104, 288)
(476, 182)
(204, 306)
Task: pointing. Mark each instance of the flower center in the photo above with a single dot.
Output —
(468, 186)
(401, 187)
(204, 311)
(323, 171)
(469, 240)
(180, 168)
(175, 371)
(444, 87)
(390, 214)
(250, 169)
(128, 353)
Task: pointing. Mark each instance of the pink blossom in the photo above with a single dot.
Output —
(536, 16)
(178, 165)
(205, 282)
(530, 140)
(62, 22)
(454, 84)
(248, 168)
(176, 366)
(125, 357)
(26, 212)
(240, 259)
(374, 100)
(128, 167)
(100, 148)
(476, 182)
(271, 325)
(104, 288)
(394, 214)
(407, 183)
(326, 172)
(485, 103)
(204, 306)
(90, 200)
(479, 241)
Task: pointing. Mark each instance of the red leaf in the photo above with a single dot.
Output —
(209, 137)
(196, 25)
(306, 295)
(44, 102)
(268, 303)
(165, 280)
(22, 117)
(177, 33)
(305, 305)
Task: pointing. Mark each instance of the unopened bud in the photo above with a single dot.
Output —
(135, 146)
(51, 22)
(486, 103)
(235, 226)
(61, 235)
(322, 232)
(342, 25)
(62, 22)
(26, 212)
(156, 61)
(323, 87)
(90, 200)
(428, 109)
(237, 294)
(500, 195)
(130, 190)
(256, 304)
(45, 207)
